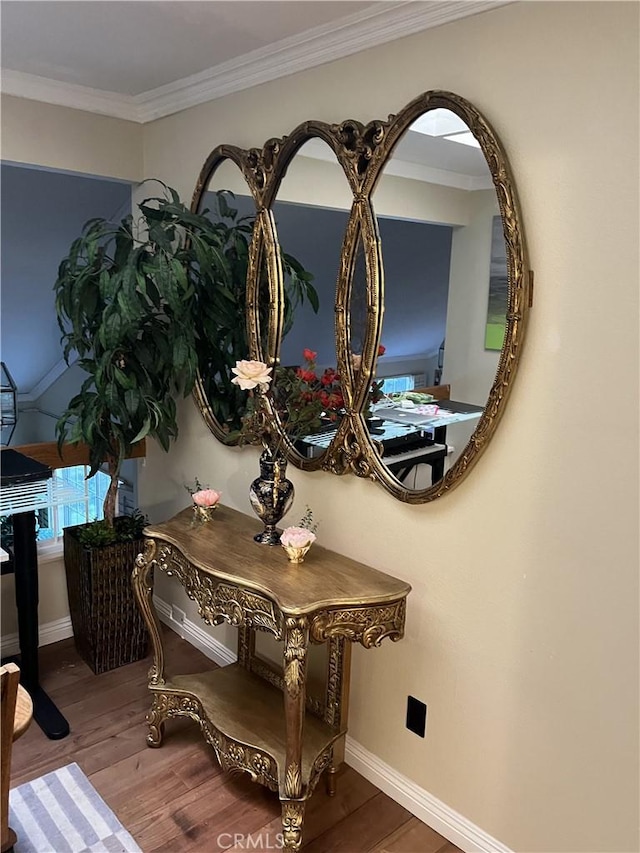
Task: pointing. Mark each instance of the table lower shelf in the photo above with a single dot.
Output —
(242, 717)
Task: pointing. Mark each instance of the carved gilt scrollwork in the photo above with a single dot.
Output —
(349, 453)
(219, 602)
(295, 654)
(232, 755)
(360, 141)
(368, 625)
(292, 817)
(142, 581)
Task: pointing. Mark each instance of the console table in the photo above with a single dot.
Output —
(259, 718)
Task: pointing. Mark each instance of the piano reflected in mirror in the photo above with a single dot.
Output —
(407, 437)
(403, 447)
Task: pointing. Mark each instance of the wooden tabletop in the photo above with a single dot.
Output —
(224, 548)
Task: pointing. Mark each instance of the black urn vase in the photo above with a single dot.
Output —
(271, 496)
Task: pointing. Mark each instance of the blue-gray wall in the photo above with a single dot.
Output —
(42, 213)
(416, 263)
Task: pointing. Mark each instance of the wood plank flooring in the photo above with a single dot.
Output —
(176, 799)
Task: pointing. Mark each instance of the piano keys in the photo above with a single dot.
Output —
(403, 447)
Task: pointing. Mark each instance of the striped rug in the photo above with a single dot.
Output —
(63, 813)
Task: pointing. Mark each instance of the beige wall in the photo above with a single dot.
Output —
(522, 631)
(54, 604)
(72, 140)
(523, 621)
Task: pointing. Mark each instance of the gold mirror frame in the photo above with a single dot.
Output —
(362, 151)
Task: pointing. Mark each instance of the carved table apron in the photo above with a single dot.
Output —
(259, 719)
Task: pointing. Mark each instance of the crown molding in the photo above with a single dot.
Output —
(374, 26)
(318, 46)
(36, 88)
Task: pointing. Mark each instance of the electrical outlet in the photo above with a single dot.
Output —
(416, 716)
(177, 615)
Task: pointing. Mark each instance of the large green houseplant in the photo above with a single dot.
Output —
(128, 300)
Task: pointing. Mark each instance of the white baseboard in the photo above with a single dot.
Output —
(48, 633)
(193, 633)
(427, 808)
(61, 629)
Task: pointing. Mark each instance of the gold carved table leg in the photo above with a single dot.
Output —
(142, 579)
(296, 641)
(337, 702)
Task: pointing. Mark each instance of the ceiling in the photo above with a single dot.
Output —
(142, 59)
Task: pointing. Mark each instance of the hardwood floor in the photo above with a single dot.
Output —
(176, 799)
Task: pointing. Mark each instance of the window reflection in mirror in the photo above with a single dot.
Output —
(436, 208)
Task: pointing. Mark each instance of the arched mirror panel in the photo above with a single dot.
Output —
(225, 196)
(310, 207)
(417, 310)
(435, 204)
(454, 301)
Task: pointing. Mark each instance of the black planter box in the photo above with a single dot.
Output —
(107, 625)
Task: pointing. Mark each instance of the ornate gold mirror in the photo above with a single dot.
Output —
(411, 233)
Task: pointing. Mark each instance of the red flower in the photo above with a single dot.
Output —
(309, 355)
(381, 349)
(306, 375)
(328, 377)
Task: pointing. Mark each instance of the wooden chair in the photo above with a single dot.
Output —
(16, 712)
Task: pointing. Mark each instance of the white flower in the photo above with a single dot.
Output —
(297, 537)
(206, 497)
(249, 374)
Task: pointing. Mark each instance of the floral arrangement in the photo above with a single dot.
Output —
(206, 497)
(303, 390)
(254, 377)
(296, 418)
(297, 540)
(303, 534)
(297, 537)
(304, 399)
(205, 501)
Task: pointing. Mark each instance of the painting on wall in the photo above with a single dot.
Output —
(498, 289)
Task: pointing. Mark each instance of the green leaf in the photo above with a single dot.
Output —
(144, 431)
(132, 400)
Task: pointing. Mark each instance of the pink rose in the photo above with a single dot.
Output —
(297, 537)
(206, 497)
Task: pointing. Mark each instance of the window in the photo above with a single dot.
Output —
(88, 507)
(398, 384)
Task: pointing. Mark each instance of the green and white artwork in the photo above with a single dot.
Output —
(498, 289)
